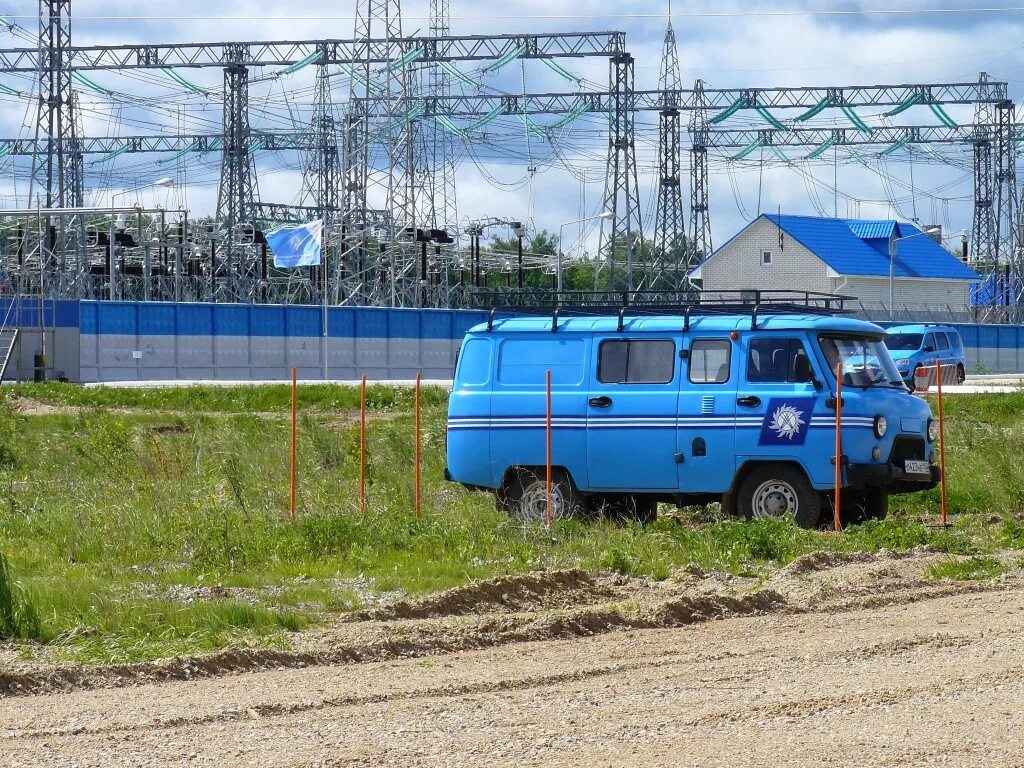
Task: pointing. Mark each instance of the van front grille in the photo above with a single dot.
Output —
(907, 448)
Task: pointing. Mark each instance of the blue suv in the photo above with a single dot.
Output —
(731, 408)
(921, 345)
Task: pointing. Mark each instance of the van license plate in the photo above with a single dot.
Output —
(914, 467)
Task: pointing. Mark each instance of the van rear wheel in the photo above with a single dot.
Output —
(961, 374)
(780, 492)
(525, 496)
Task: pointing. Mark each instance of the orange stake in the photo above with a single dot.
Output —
(362, 445)
(839, 447)
(294, 452)
(419, 379)
(942, 443)
(548, 511)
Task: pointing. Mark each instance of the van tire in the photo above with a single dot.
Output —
(777, 490)
(525, 496)
(961, 374)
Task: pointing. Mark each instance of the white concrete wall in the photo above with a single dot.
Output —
(932, 293)
(737, 266)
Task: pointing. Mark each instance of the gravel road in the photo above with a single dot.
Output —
(860, 664)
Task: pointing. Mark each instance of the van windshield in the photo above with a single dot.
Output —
(866, 361)
(907, 342)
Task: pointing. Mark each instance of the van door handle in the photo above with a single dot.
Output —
(600, 402)
(750, 401)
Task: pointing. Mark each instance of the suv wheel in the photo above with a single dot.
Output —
(781, 492)
(525, 496)
(961, 374)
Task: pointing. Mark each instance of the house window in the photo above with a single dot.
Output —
(766, 258)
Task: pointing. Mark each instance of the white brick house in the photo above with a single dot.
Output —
(849, 257)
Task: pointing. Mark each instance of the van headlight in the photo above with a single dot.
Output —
(881, 426)
(933, 430)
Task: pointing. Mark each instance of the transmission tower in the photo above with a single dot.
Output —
(382, 118)
(985, 243)
(624, 241)
(669, 264)
(238, 192)
(700, 213)
(1007, 240)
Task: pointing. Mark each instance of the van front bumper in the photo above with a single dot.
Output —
(890, 476)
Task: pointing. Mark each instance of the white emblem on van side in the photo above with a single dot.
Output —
(786, 422)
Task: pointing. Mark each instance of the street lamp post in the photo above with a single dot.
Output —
(111, 234)
(892, 259)
(558, 257)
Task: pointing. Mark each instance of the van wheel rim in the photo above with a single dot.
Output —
(775, 498)
(533, 506)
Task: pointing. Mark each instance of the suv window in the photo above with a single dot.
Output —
(942, 339)
(774, 360)
(636, 361)
(709, 361)
(929, 342)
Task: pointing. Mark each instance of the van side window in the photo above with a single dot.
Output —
(942, 339)
(772, 359)
(709, 361)
(636, 361)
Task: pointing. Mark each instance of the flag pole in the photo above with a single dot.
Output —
(324, 318)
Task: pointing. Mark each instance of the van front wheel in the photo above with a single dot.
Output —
(525, 496)
(780, 492)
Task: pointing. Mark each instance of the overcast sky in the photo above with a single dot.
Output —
(727, 44)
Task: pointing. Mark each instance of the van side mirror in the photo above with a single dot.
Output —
(802, 370)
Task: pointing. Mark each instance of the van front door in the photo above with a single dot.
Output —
(776, 402)
(631, 414)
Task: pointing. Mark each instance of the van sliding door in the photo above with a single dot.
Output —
(631, 409)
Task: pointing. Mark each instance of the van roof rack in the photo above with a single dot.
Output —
(647, 303)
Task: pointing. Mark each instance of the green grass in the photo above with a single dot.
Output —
(230, 399)
(969, 569)
(163, 529)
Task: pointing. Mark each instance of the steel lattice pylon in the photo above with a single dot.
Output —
(382, 120)
(1007, 240)
(233, 272)
(985, 247)
(623, 240)
(700, 214)
(668, 254)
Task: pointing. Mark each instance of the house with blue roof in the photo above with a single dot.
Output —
(845, 256)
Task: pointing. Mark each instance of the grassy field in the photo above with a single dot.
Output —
(141, 524)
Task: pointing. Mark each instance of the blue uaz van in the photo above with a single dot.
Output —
(734, 408)
(922, 345)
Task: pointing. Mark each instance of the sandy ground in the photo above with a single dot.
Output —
(858, 661)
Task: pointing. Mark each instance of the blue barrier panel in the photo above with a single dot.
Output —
(195, 319)
(156, 319)
(341, 322)
(267, 320)
(303, 321)
(403, 324)
(87, 313)
(371, 323)
(231, 320)
(437, 324)
(116, 317)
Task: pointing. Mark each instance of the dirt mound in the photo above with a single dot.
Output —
(820, 561)
(511, 594)
(552, 605)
